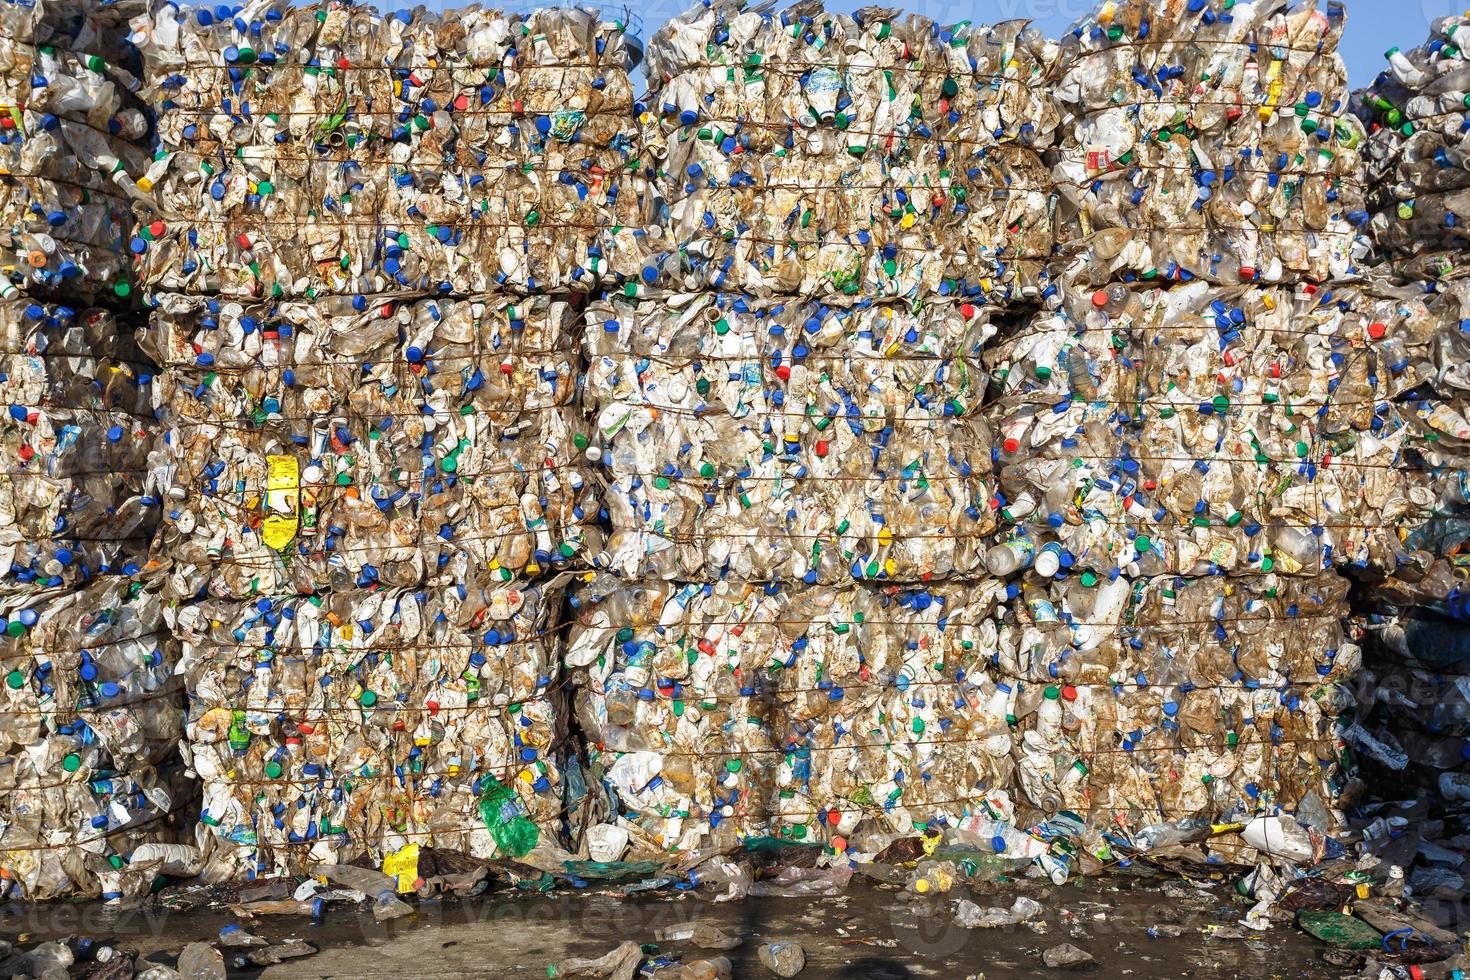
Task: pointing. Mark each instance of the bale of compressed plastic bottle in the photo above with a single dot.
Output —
(728, 710)
(1169, 696)
(73, 134)
(815, 152)
(339, 443)
(331, 149)
(1412, 732)
(76, 493)
(92, 718)
(1415, 156)
(805, 441)
(1207, 139)
(1193, 430)
(849, 715)
(359, 723)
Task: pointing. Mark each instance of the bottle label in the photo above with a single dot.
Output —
(282, 501)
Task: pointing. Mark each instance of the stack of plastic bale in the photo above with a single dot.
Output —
(407, 479)
(89, 760)
(1415, 156)
(1181, 472)
(1208, 139)
(1411, 736)
(377, 473)
(786, 406)
(815, 153)
(331, 149)
(798, 490)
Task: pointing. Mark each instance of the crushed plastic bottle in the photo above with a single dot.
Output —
(379, 888)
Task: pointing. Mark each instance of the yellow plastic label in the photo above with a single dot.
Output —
(282, 501)
(403, 865)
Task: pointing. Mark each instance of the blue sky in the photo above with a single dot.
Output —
(1374, 26)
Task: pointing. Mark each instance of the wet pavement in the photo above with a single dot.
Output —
(869, 931)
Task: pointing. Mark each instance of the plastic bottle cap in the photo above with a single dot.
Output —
(1052, 692)
(368, 699)
(273, 769)
(72, 762)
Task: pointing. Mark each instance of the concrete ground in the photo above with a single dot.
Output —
(868, 931)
